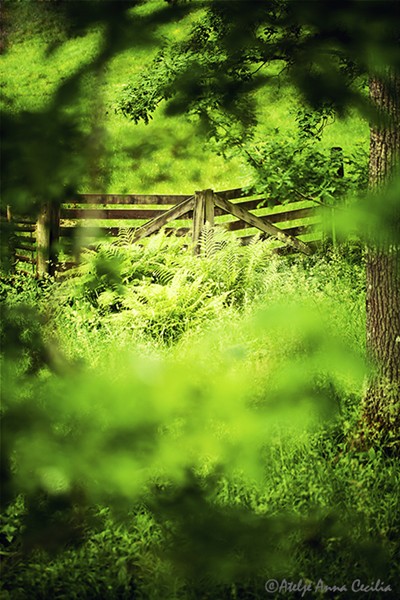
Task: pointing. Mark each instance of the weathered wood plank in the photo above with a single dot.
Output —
(240, 225)
(128, 199)
(26, 259)
(155, 224)
(21, 237)
(292, 215)
(233, 194)
(254, 203)
(249, 204)
(19, 227)
(21, 246)
(88, 232)
(288, 216)
(109, 213)
(301, 230)
(262, 224)
(18, 220)
(179, 231)
(92, 232)
(68, 232)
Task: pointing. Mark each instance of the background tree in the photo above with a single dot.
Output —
(381, 405)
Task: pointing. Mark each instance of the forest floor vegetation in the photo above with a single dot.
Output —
(180, 427)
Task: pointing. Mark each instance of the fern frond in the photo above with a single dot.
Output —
(207, 242)
(163, 274)
(126, 236)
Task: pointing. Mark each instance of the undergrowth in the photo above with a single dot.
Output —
(180, 427)
(158, 292)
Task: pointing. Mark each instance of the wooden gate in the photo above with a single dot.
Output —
(47, 245)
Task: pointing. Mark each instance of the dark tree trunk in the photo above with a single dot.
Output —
(3, 28)
(382, 399)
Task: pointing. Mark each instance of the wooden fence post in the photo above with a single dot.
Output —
(203, 213)
(198, 220)
(209, 207)
(47, 238)
(11, 239)
(337, 160)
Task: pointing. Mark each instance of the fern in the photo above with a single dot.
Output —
(161, 290)
(258, 256)
(213, 239)
(126, 237)
(233, 267)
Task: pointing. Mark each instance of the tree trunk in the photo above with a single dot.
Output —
(3, 28)
(382, 400)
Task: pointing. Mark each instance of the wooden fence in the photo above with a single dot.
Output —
(19, 242)
(49, 244)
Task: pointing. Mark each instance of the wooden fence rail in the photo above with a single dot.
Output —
(89, 216)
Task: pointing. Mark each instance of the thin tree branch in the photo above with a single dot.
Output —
(310, 199)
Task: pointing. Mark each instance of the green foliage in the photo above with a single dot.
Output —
(230, 49)
(161, 308)
(44, 54)
(107, 153)
(157, 289)
(207, 441)
(112, 561)
(21, 323)
(161, 550)
(291, 169)
(216, 402)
